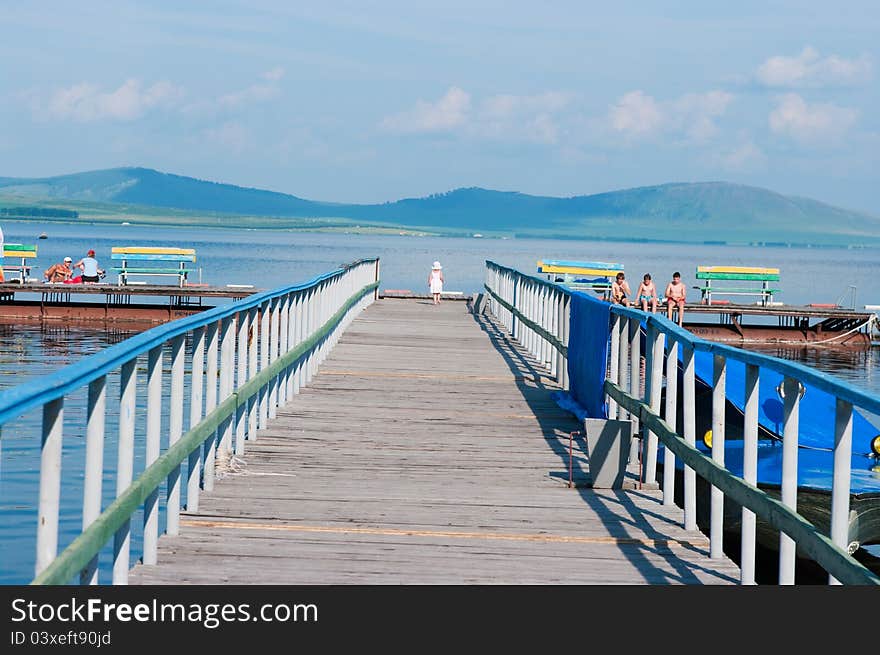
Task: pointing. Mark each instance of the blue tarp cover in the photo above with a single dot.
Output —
(589, 331)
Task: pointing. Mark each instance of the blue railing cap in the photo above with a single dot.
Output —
(18, 400)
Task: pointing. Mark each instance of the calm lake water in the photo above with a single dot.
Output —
(271, 258)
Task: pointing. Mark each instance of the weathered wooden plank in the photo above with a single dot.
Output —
(428, 449)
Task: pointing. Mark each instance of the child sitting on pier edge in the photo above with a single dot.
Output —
(620, 290)
(647, 293)
(675, 296)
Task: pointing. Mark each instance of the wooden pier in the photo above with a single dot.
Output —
(427, 449)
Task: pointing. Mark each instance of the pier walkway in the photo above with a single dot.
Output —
(427, 449)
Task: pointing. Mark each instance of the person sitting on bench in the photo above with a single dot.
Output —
(59, 272)
(675, 295)
(91, 273)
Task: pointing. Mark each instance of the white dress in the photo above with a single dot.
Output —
(436, 282)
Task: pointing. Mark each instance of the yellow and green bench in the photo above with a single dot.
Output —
(171, 262)
(760, 278)
(22, 253)
(581, 276)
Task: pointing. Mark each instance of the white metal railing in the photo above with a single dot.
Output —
(634, 392)
(537, 314)
(247, 359)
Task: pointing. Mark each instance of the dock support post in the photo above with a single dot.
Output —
(211, 403)
(253, 342)
(175, 432)
(790, 413)
(671, 418)
(840, 485)
(614, 362)
(634, 382)
(154, 435)
(264, 363)
(50, 483)
(195, 416)
(653, 390)
(716, 520)
(689, 434)
(94, 470)
(124, 466)
(750, 474)
(241, 380)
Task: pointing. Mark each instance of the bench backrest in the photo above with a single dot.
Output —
(597, 269)
(19, 250)
(137, 253)
(741, 273)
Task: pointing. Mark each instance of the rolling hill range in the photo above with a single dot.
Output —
(694, 212)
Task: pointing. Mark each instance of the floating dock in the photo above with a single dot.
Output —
(154, 303)
(780, 324)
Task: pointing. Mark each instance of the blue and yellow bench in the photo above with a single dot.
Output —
(754, 274)
(582, 276)
(170, 262)
(22, 253)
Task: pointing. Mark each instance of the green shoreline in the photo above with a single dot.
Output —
(175, 222)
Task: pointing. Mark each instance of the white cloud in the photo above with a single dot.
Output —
(809, 69)
(695, 113)
(273, 75)
(742, 157)
(533, 118)
(87, 102)
(229, 136)
(447, 113)
(636, 113)
(794, 117)
(253, 94)
(692, 114)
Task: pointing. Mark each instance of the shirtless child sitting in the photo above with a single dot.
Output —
(675, 296)
(647, 293)
(620, 290)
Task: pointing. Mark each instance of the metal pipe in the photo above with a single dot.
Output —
(50, 483)
(253, 403)
(748, 531)
(623, 362)
(242, 378)
(653, 391)
(790, 413)
(716, 521)
(94, 471)
(566, 325)
(124, 466)
(840, 485)
(671, 418)
(175, 432)
(635, 346)
(614, 362)
(689, 434)
(195, 416)
(154, 435)
(273, 355)
(211, 403)
(264, 363)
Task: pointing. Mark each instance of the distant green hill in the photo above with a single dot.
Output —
(691, 212)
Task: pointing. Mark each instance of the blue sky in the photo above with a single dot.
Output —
(370, 102)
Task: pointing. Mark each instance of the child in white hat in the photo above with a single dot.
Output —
(435, 281)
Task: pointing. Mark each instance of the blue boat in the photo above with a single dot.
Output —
(815, 450)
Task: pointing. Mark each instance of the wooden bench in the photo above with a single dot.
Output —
(162, 260)
(22, 253)
(582, 276)
(752, 274)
